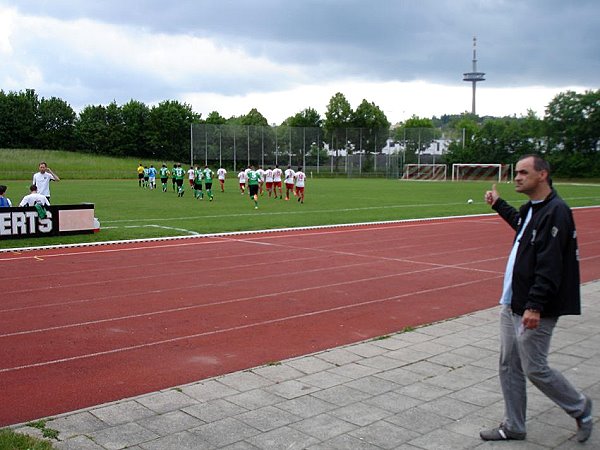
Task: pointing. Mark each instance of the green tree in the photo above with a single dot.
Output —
(56, 124)
(214, 118)
(91, 129)
(19, 120)
(136, 121)
(169, 130)
(308, 117)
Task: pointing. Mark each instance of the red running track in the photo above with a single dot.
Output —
(84, 326)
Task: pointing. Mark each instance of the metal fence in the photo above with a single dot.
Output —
(343, 152)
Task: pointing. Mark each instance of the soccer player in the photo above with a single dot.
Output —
(300, 179)
(152, 177)
(140, 171)
(164, 176)
(146, 177)
(43, 178)
(289, 182)
(221, 174)
(269, 181)
(253, 178)
(242, 178)
(198, 175)
(277, 181)
(178, 175)
(173, 180)
(261, 179)
(208, 180)
(192, 175)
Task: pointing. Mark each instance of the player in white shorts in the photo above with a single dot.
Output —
(269, 181)
(242, 177)
(289, 182)
(221, 173)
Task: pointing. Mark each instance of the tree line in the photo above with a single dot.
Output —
(568, 134)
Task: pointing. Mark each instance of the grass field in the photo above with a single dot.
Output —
(127, 212)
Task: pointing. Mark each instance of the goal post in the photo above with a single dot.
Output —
(432, 172)
(481, 172)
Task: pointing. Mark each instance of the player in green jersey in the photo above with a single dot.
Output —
(208, 180)
(198, 175)
(164, 176)
(173, 180)
(253, 179)
(178, 174)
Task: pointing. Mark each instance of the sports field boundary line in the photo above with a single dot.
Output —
(248, 232)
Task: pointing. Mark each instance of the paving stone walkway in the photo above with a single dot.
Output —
(430, 388)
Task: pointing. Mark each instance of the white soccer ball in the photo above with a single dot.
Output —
(470, 201)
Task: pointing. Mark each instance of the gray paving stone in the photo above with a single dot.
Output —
(310, 364)
(267, 418)
(283, 438)
(431, 348)
(423, 391)
(278, 373)
(353, 371)
(181, 441)
(449, 407)
(242, 445)
(361, 414)
(428, 368)
(344, 442)
(419, 420)
(292, 388)
(166, 401)
(400, 376)
(339, 356)
(170, 423)
(306, 406)
(75, 424)
(415, 337)
(244, 381)
(324, 379)
(208, 390)
(214, 410)
(123, 412)
(393, 402)
(323, 427)
(477, 396)
(408, 355)
(373, 385)
(77, 443)
(442, 439)
(224, 432)
(381, 362)
(384, 434)
(122, 436)
(392, 343)
(366, 349)
(255, 399)
(341, 395)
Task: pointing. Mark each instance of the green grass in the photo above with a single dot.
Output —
(10, 440)
(128, 212)
(21, 164)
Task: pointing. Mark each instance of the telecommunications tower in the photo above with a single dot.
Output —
(474, 76)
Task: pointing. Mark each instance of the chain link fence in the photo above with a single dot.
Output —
(342, 152)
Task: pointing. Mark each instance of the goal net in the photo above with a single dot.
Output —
(435, 172)
(481, 172)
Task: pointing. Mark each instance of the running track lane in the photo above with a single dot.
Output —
(88, 325)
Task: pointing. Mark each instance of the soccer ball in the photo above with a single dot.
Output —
(470, 201)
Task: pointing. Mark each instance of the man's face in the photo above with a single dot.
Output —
(42, 168)
(527, 179)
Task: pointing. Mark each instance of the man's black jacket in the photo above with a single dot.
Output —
(546, 272)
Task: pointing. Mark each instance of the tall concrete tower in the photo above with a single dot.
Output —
(474, 76)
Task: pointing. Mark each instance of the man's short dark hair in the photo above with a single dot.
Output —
(33, 188)
(539, 164)
(2, 189)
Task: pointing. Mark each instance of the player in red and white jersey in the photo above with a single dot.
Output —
(277, 173)
(221, 173)
(243, 178)
(269, 180)
(300, 179)
(261, 179)
(192, 175)
(289, 182)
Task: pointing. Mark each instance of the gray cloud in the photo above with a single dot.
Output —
(550, 43)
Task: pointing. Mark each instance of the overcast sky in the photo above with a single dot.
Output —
(282, 56)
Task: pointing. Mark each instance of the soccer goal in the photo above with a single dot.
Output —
(436, 172)
(482, 172)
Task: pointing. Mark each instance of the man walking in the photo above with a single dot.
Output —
(541, 283)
